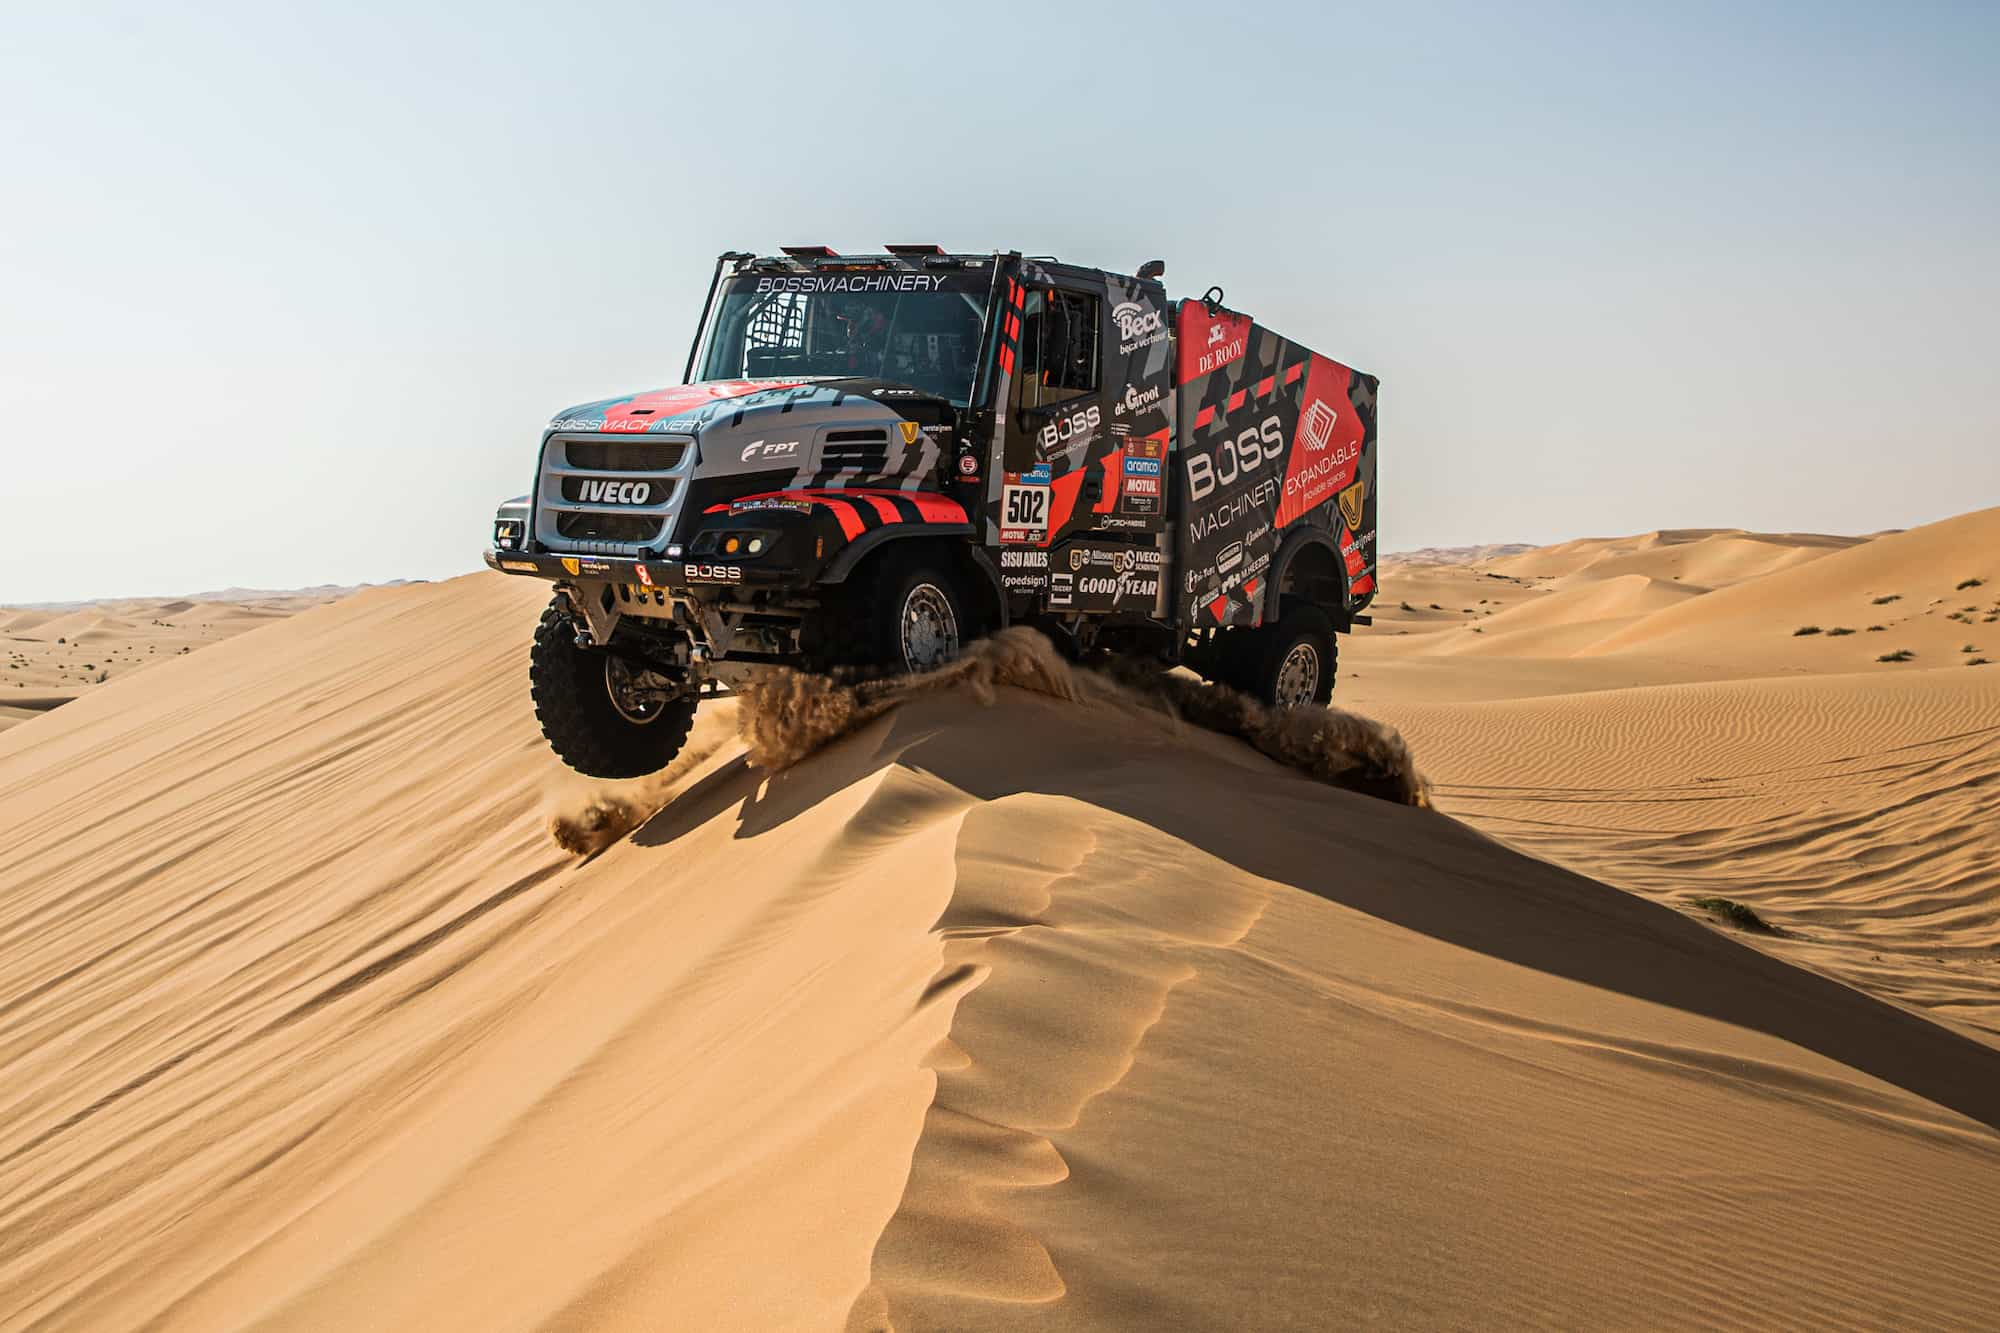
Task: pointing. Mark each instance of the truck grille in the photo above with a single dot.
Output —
(627, 529)
(610, 495)
(625, 455)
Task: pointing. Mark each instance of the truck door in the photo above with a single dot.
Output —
(1083, 465)
(1056, 413)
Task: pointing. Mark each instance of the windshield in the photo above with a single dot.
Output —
(919, 329)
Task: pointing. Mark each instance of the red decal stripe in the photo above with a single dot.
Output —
(1062, 502)
(1007, 360)
(1265, 385)
(1236, 400)
(1203, 417)
(888, 511)
(848, 517)
(1292, 375)
(1114, 481)
(936, 508)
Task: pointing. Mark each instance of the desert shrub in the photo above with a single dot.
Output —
(1839, 630)
(1887, 598)
(1805, 629)
(1408, 607)
(1900, 655)
(1970, 583)
(1978, 661)
(1737, 914)
(1876, 629)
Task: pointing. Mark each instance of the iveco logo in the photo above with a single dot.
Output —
(615, 492)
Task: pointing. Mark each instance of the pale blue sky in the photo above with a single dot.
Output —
(286, 293)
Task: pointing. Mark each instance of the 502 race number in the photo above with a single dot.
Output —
(1026, 507)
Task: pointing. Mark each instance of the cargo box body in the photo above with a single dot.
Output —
(1274, 453)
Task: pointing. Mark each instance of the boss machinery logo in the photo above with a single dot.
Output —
(1066, 432)
(1252, 447)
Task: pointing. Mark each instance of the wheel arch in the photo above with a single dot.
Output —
(951, 542)
(1308, 566)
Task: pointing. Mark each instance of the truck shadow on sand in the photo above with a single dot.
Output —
(1412, 868)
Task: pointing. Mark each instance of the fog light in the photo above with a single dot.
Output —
(731, 545)
(756, 545)
(674, 551)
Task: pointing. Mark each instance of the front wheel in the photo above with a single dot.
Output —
(906, 612)
(603, 715)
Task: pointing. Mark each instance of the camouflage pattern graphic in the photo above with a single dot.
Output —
(1278, 448)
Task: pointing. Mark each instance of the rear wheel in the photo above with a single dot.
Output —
(1286, 664)
(604, 715)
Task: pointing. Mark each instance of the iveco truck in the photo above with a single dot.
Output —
(874, 459)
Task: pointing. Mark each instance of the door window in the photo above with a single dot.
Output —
(1059, 348)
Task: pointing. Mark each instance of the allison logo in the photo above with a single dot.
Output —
(591, 491)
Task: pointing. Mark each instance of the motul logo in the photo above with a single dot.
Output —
(615, 492)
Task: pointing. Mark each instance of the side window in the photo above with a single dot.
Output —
(1059, 348)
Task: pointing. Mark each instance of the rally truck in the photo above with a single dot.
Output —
(873, 459)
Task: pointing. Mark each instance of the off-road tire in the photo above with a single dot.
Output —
(865, 631)
(583, 726)
(1303, 633)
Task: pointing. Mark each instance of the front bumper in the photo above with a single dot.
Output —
(676, 576)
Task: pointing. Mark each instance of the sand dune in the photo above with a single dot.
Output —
(1907, 582)
(54, 654)
(1854, 813)
(1009, 1015)
(1703, 557)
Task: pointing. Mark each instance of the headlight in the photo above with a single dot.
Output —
(738, 543)
(507, 533)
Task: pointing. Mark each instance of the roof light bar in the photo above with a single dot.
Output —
(914, 249)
